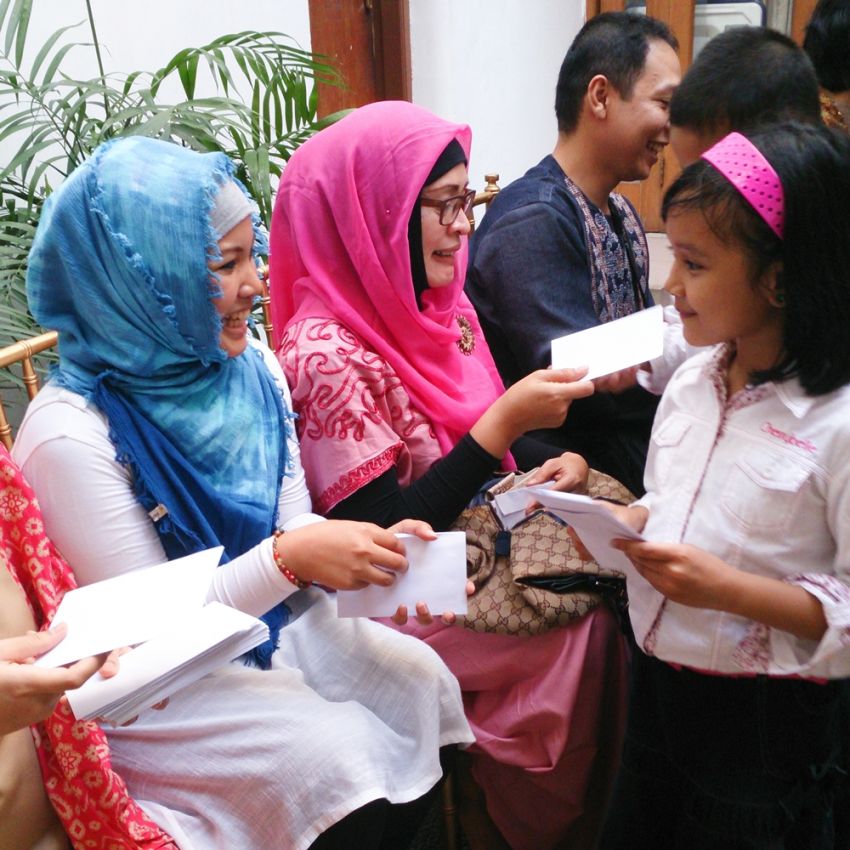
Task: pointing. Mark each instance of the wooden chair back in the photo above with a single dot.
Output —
(22, 352)
(485, 196)
(265, 303)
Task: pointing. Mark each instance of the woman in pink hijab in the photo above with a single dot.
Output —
(402, 413)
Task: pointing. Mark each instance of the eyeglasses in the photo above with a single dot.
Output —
(451, 207)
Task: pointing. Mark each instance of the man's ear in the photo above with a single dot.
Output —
(598, 96)
(774, 286)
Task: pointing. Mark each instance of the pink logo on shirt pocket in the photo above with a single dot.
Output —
(789, 439)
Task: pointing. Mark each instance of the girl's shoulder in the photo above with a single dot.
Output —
(317, 333)
(694, 370)
(825, 418)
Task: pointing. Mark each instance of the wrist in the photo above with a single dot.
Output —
(280, 562)
(733, 590)
(494, 431)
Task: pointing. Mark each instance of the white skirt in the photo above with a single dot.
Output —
(252, 759)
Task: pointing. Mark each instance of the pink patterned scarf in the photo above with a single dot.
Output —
(91, 800)
(339, 251)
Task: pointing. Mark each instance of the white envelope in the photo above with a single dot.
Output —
(594, 523)
(197, 643)
(612, 346)
(131, 608)
(511, 506)
(436, 576)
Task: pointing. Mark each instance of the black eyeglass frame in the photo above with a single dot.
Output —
(466, 199)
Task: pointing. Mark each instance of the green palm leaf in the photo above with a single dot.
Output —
(264, 106)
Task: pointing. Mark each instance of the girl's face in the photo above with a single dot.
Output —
(441, 242)
(714, 291)
(239, 283)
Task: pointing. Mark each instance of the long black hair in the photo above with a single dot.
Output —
(827, 42)
(813, 164)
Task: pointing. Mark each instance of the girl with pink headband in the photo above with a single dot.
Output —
(740, 594)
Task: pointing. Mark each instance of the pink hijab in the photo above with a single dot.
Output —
(339, 251)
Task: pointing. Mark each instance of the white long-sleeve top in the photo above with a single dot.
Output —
(762, 480)
(64, 439)
(349, 712)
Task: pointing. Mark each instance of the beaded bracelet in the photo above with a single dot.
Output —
(284, 570)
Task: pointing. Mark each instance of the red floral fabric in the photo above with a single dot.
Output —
(91, 800)
(355, 417)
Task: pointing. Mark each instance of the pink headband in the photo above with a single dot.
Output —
(745, 167)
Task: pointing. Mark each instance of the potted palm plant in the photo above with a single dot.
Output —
(263, 108)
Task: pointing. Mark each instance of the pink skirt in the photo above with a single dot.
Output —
(548, 714)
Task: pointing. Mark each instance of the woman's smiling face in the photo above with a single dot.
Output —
(441, 242)
(236, 271)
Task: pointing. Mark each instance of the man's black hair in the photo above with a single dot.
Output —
(614, 44)
(743, 79)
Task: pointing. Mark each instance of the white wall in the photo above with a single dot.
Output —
(145, 35)
(490, 63)
(493, 64)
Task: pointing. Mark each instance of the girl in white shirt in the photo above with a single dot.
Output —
(740, 599)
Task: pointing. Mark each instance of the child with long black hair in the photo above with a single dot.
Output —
(741, 599)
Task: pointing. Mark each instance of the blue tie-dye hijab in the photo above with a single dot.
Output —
(119, 269)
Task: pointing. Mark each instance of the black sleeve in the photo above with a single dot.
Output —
(530, 452)
(437, 497)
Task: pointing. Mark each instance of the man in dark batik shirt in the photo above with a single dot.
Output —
(558, 252)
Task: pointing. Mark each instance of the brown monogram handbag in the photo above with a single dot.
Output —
(531, 578)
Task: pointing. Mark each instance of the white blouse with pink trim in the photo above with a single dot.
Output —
(762, 480)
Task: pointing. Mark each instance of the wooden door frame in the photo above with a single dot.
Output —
(368, 41)
(800, 14)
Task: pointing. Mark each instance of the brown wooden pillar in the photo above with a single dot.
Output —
(596, 7)
(369, 42)
(800, 14)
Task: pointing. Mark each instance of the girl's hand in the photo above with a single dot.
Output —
(683, 573)
(344, 555)
(634, 516)
(569, 471)
(424, 616)
(29, 694)
(694, 577)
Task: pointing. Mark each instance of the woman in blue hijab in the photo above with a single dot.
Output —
(164, 430)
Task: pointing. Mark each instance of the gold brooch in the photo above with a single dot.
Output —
(466, 343)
